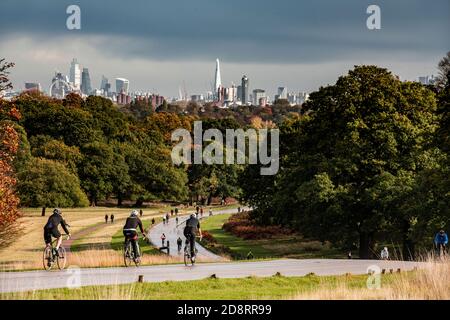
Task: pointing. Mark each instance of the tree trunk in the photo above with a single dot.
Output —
(119, 199)
(408, 245)
(43, 211)
(364, 245)
(209, 199)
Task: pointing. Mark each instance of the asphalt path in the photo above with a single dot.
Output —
(73, 277)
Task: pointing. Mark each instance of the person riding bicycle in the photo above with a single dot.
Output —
(51, 229)
(441, 240)
(190, 231)
(130, 230)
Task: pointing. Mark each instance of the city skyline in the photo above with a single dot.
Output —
(301, 46)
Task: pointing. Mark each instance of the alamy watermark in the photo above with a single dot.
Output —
(73, 21)
(232, 151)
(373, 22)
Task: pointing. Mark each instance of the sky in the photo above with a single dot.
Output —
(160, 45)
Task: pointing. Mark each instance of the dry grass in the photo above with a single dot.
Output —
(430, 283)
(25, 252)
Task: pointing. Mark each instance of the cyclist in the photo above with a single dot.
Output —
(190, 231)
(51, 229)
(130, 230)
(441, 241)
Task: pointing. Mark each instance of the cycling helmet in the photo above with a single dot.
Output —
(193, 215)
(134, 213)
(57, 211)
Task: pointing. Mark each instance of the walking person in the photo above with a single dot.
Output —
(171, 212)
(106, 218)
(176, 221)
(164, 220)
(163, 239)
(112, 218)
(141, 213)
(153, 221)
(179, 244)
(201, 212)
(384, 254)
(176, 211)
(167, 218)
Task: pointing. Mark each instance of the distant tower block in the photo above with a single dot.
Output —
(217, 81)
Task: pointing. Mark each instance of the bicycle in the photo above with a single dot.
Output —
(441, 250)
(189, 260)
(129, 256)
(50, 258)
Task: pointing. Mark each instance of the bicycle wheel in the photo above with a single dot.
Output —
(187, 257)
(61, 259)
(137, 260)
(128, 254)
(47, 258)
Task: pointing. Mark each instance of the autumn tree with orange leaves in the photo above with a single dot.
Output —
(9, 144)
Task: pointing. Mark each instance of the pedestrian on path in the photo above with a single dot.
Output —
(179, 244)
(106, 218)
(167, 218)
(163, 239)
(112, 218)
(164, 220)
(176, 211)
(171, 212)
(141, 213)
(153, 221)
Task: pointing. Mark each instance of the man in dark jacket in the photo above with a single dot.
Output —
(51, 229)
(130, 230)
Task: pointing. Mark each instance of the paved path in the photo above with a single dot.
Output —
(172, 233)
(34, 280)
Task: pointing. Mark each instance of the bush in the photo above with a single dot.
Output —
(242, 226)
(49, 183)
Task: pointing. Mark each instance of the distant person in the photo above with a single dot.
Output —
(112, 218)
(141, 213)
(167, 218)
(201, 212)
(239, 209)
(176, 221)
(197, 208)
(163, 239)
(210, 212)
(349, 255)
(176, 211)
(384, 254)
(106, 218)
(153, 221)
(179, 244)
(171, 212)
(441, 241)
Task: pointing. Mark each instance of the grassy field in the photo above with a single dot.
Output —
(284, 246)
(91, 250)
(276, 287)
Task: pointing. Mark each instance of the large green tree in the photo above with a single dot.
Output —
(366, 133)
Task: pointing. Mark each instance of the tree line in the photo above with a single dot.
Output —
(367, 162)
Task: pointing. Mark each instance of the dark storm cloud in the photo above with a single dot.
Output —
(237, 30)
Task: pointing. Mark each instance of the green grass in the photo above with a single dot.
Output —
(285, 246)
(275, 287)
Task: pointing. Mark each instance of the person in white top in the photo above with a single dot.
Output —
(385, 254)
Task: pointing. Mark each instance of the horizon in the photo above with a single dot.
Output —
(319, 42)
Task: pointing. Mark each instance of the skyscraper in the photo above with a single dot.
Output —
(217, 79)
(259, 94)
(282, 93)
(244, 90)
(86, 82)
(122, 85)
(75, 74)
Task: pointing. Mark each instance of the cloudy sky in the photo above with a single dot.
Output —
(161, 44)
